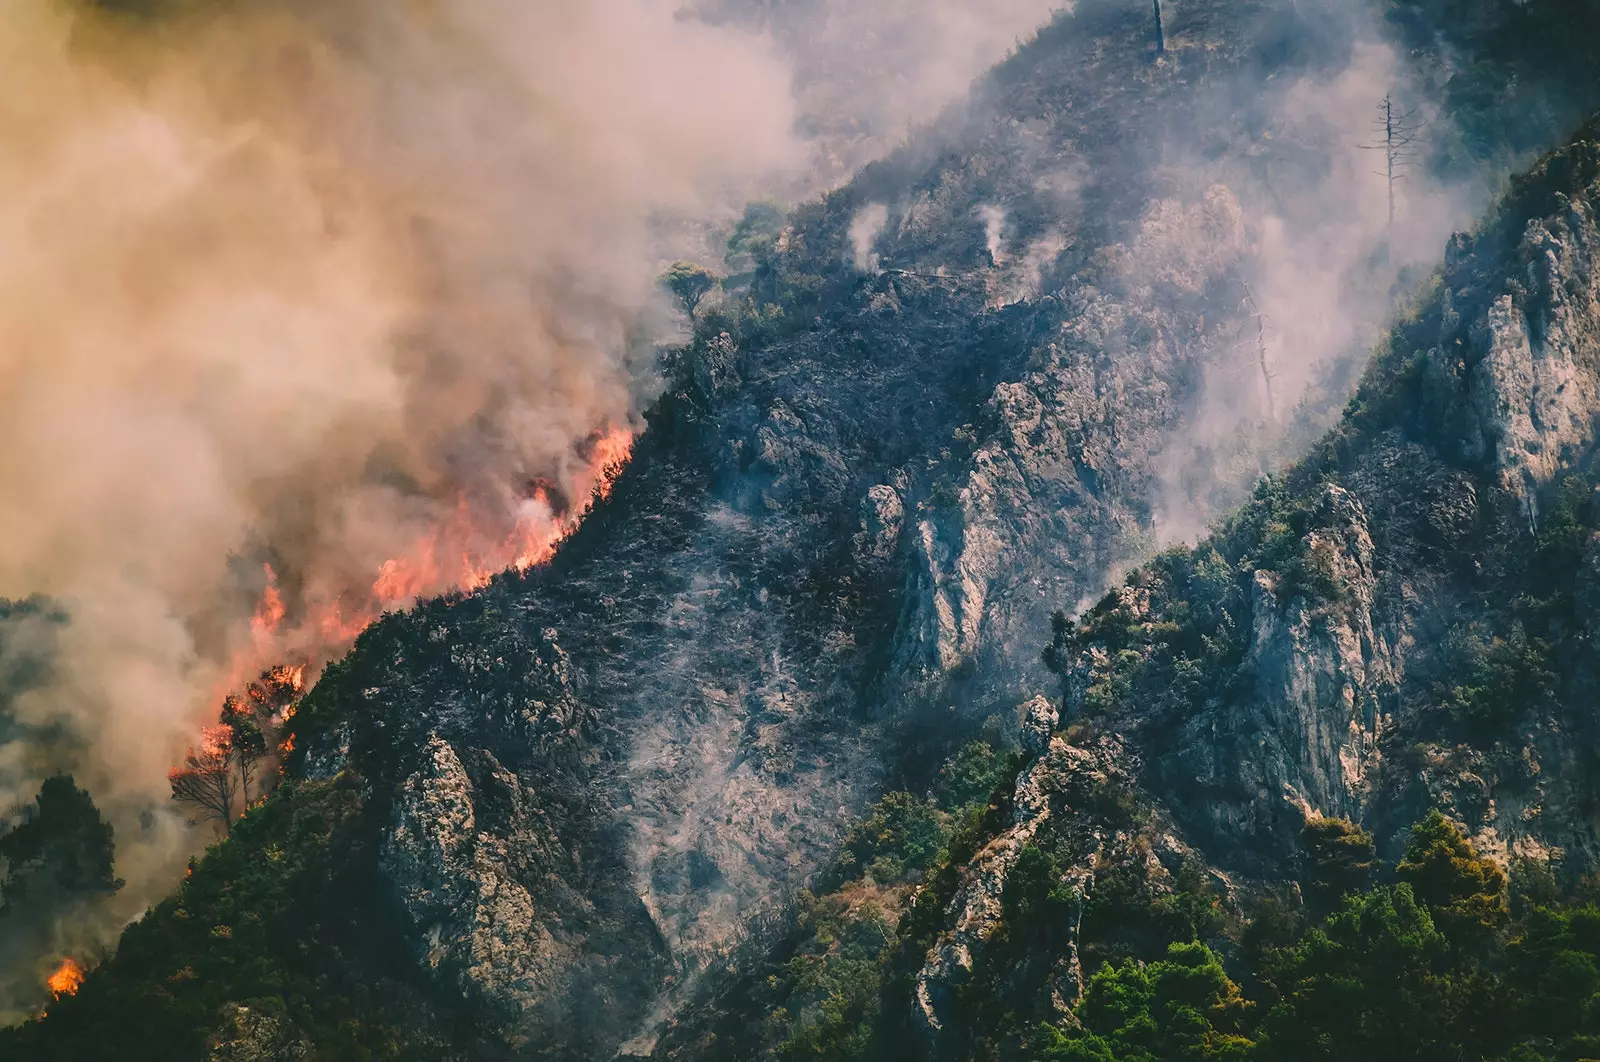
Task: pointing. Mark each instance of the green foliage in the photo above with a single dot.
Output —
(831, 987)
(1182, 1007)
(689, 284)
(1466, 892)
(1340, 857)
(240, 930)
(1366, 982)
(1497, 682)
(753, 242)
(1131, 916)
(972, 774)
(61, 849)
(897, 842)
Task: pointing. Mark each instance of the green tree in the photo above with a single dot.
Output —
(897, 842)
(1465, 893)
(61, 849)
(689, 284)
(1340, 857)
(1369, 984)
(753, 239)
(972, 774)
(1182, 1007)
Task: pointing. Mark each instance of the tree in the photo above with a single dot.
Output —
(226, 766)
(1465, 893)
(897, 842)
(249, 742)
(1341, 859)
(753, 239)
(1396, 136)
(62, 847)
(1180, 1007)
(1368, 984)
(689, 283)
(205, 781)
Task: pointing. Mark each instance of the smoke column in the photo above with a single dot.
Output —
(296, 285)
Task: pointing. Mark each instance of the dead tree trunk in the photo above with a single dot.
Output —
(1396, 137)
(1253, 308)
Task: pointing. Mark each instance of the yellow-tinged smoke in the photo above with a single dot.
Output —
(299, 280)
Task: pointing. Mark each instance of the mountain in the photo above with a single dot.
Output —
(1399, 624)
(1071, 322)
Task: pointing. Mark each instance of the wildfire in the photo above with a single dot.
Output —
(313, 621)
(611, 452)
(269, 614)
(66, 980)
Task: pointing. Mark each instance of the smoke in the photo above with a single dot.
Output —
(865, 228)
(994, 225)
(1306, 231)
(298, 284)
(866, 74)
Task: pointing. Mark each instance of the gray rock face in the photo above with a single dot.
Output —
(1052, 493)
(1520, 382)
(1063, 805)
(1346, 695)
(589, 777)
(1305, 739)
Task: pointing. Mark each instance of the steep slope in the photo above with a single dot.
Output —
(1401, 619)
(1399, 623)
(538, 808)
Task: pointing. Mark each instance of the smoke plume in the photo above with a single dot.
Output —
(290, 287)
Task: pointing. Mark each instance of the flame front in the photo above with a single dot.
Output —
(315, 622)
(67, 979)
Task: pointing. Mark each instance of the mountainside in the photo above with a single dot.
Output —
(1064, 326)
(1400, 622)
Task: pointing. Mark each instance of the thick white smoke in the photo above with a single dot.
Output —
(296, 283)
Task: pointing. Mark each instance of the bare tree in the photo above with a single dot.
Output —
(1396, 136)
(205, 782)
(1253, 310)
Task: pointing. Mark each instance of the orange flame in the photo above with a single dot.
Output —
(66, 980)
(317, 620)
(269, 614)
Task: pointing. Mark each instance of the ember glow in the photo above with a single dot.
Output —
(67, 979)
(312, 624)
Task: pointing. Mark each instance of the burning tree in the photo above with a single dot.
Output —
(67, 979)
(249, 742)
(205, 781)
(232, 764)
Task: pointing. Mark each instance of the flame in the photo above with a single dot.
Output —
(67, 979)
(608, 456)
(315, 622)
(270, 612)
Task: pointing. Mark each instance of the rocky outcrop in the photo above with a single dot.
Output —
(1060, 485)
(1073, 801)
(1385, 640)
(1303, 737)
(1515, 375)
